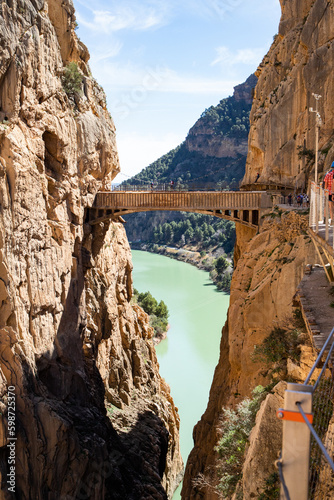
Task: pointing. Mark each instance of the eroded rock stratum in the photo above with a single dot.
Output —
(270, 265)
(70, 340)
(299, 63)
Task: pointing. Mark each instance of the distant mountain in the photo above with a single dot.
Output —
(215, 149)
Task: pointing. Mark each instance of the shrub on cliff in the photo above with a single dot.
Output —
(236, 427)
(275, 350)
(158, 312)
(221, 264)
(72, 80)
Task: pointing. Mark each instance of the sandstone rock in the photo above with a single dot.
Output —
(269, 268)
(245, 91)
(270, 265)
(69, 337)
(265, 442)
(299, 63)
(202, 139)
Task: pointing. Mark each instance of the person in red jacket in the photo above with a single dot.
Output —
(328, 184)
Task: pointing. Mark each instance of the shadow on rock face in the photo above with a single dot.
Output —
(67, 448)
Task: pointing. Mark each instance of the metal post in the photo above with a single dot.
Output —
(296, 443)
(318, 123)
(316, 209)
(316, 147)
(327, 216)
(311, 205)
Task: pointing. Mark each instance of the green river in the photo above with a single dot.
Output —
(188, 357)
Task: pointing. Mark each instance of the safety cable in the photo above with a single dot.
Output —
(279, 465)
(315, 435)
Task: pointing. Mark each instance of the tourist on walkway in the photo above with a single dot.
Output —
(305, 200)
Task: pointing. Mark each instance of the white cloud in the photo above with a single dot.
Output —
(136, 79)
(227, 58)
(131, 86)
(103, 53)
(194, 84)
(137, 151)
(128, 15)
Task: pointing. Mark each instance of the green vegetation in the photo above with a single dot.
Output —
(195, 229)
(272, 490)
(280, 345)
(230, 118)
(218, 274)
(201, 233)
(309, 154)
(221, 265)
(190, 166)
(236, 428)
(158, 312)
(72, 80)
(184, 167)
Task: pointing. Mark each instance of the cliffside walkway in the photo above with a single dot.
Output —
(245, 207)
(321, 228)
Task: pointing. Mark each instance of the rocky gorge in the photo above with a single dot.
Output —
(94, 419)
(269, 266)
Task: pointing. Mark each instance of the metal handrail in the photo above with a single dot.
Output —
(184, 186)
(279, 465)
(308, 378)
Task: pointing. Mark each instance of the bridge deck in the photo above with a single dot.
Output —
(183, 200)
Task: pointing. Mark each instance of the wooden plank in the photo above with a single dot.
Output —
(228, 200)
(321, 259)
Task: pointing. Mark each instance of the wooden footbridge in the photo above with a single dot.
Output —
(245, 207)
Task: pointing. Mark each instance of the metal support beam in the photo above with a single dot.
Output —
(320, 257)
(296, 444)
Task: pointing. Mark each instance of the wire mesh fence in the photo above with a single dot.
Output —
(321, 484)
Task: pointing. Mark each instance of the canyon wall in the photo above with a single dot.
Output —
(93, 417)
(299, 63)
(270, 265)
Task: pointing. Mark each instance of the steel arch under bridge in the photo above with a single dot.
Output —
(245, 207)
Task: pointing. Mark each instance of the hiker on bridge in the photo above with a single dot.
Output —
(328, 184)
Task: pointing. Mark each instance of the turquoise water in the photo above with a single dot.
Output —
(190, 353)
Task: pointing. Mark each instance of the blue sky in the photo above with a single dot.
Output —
(163, 62)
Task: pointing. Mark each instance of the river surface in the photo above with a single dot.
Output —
(189, 354)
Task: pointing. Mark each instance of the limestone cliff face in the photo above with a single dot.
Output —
(270, 265)
(69, 336)
(269, 268)
(202, 138)
(299, 63)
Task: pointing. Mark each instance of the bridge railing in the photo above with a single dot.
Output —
(183, 200)
(174, 186)
(306, 466)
